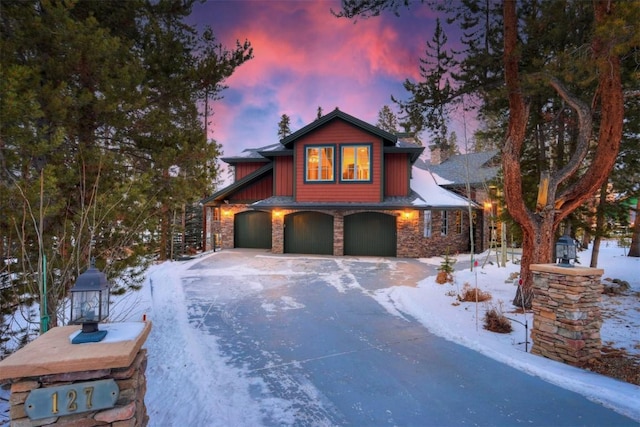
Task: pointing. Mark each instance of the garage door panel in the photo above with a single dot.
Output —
(308, 233)
(252, 229)
(370, 234)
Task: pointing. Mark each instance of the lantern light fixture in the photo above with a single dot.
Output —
(566, 251)
(90, 304)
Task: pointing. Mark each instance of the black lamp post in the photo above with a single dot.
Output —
(565, 251)
(90, 304)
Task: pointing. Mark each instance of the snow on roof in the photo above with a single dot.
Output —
(440, 180)
(431, 194)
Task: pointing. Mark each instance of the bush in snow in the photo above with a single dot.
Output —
(495, 321)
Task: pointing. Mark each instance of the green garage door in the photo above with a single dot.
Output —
(252, 229)
(370, 234)
(308, 233)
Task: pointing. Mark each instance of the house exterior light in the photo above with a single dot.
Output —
(90, 304)
(566, 251)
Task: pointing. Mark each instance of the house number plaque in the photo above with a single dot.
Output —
(71, 399)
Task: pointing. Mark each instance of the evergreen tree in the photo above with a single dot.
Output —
(284, 129)
(427, 107)
(101, 135)
(387, 120)
(545, 68)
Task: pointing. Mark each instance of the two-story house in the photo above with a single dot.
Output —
(338, 186)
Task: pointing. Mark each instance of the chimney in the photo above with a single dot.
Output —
(436, 155)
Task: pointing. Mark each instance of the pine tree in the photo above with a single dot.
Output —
(428, 105)
(101, 135)
(387, 120)
(558, 60)
(284, 129)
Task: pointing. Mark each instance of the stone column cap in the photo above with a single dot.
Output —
(52, 353)
(567, 271)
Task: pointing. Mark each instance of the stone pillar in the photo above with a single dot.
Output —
(566, 313)
(338, 233)
(56, 383)
(277, 231)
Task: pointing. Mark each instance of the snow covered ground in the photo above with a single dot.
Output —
(189, 378)
(225, 392)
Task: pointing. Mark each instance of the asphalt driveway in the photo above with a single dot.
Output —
(307, 328)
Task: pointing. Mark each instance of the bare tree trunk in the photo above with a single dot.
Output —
(634, 250)
(595, 252)
(586, 238)
(599, 225)
(165, 230)
(537, 248)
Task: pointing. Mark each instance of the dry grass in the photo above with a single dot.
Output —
(617, 363)
(470, 294)
(444, 277)
(495, 321)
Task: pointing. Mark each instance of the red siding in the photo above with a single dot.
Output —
(335, 133)
(284, 176)
(396, 175)
(257, 191)
(244, 169)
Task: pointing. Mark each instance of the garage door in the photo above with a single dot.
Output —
(308, 233)
(370, 234)
(252, 229)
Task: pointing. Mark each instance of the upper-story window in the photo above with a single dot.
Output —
(356, 162)
(319, 163)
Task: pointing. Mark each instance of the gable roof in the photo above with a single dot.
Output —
(239, 184)
(388, 138)
(476, 168)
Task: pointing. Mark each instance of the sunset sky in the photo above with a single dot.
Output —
(304, 57)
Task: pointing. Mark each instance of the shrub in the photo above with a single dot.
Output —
(445, 271)
(470, 294)
(495, 321)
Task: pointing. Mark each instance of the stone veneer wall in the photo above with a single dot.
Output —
(129, 411)
(227, 214)
(566, 313)
(411, 242)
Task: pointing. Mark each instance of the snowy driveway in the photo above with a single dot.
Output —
(310, 347)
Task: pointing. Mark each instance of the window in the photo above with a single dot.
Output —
(319, 163)
(459, 222)
(427, 223)
(444, 226)
(356, 163)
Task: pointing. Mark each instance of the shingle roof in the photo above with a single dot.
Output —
(476, 168)
(252, 154)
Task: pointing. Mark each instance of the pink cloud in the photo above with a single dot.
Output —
(305, 58)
